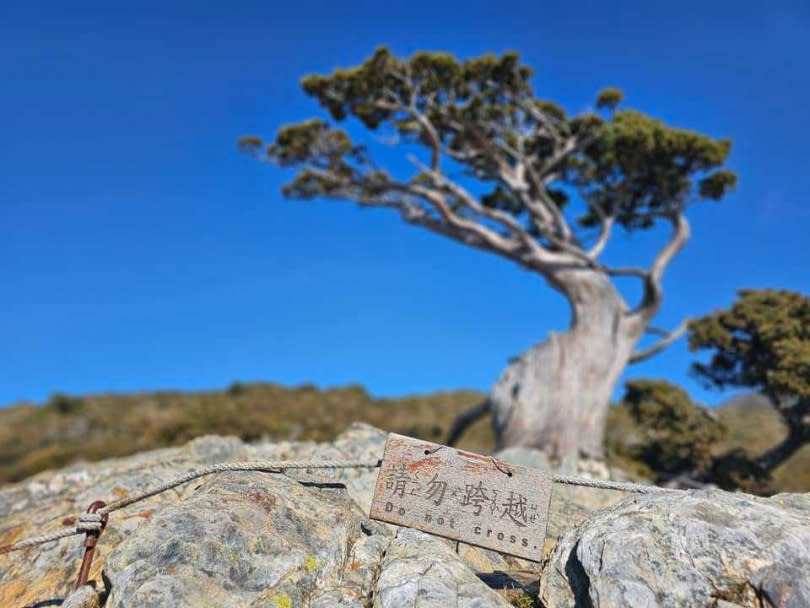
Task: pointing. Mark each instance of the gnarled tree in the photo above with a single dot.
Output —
(763, 342)
(499, 169)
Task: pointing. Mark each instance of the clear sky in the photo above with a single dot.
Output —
(139, 250)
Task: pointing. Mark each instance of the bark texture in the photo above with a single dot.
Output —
(555, 395)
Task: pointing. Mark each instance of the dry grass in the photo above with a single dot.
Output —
(755, 428)
(67, 429)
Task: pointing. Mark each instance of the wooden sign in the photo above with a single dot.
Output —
(463, 496)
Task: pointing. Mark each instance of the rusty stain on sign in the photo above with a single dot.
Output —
(463, 496)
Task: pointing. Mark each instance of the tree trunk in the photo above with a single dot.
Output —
(798, 436)
(555, 395)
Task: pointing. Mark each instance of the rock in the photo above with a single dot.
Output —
(250, 539)
(570, 505)
(800, 502)
(52, 500)
(244, 539)
(484, 560)
(422, 570)
(83, 597)
(686, 549)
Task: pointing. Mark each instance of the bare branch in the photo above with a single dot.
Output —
(506, 220)
(656, 331)
(427, 127)
(653, 292)
(540, 116)
(680, 234)
(561, 226)
(513, 169)
(465, 419)
(666, 340)
(605, 231)
(447, 223)
(625, 271)
(495, 240)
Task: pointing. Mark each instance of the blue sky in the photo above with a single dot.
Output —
(139, 250)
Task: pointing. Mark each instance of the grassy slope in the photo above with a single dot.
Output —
(753, 426)
(34, 438)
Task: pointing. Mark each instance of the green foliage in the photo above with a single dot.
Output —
(236, 388)
(658, 431)
(625, 163)
(679, 435)
(357, 91)
(738, 470)
(638, 167)
(65, 404)
(762, 342)
(609, 98)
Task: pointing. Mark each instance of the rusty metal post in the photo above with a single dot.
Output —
(90, 540)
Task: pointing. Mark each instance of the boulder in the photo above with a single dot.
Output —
(86, 596)
(422, 570)
(570, 505)
(690, 549)
(245, 539)
(52, 500)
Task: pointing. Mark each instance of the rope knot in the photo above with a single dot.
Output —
(90, 522)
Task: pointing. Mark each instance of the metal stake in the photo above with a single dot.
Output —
(90, 541)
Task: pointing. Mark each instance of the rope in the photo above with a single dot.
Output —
(268, 466)
(89, 522)
(624, 486)
(39, 540)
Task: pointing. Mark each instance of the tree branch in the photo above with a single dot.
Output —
(680, 234)
(427, 127)
(606, 229)
(539, 205)
(547, 211)
(653, 292)
(445, 221)
(668, 339)
(504, 219)
(465, 419)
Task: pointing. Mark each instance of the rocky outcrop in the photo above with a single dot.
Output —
(251, 539)
(570, 505)
(422, 570)
(242, 539)
(691, 549)
(45, 575)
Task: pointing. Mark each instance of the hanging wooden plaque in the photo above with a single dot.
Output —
(463, 496)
